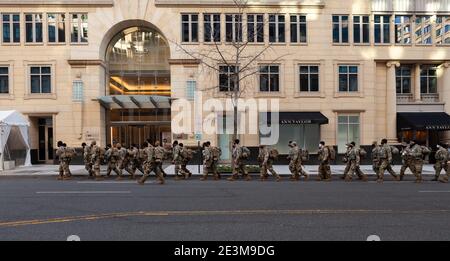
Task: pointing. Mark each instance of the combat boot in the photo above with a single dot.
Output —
(418, 180)
(401, 177)
(435, 179)
(306, 177)
(380, 181)
(60, 178)
(232, 178)
(204, 178)
(141, 182)
(348, 179)
(161, 182)
(248, 177)
(278, 178)
(443, 180)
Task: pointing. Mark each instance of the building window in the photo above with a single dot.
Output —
(348, 131)
(309, 78)
(79, 28)
(361, 29)
(298, 29)
(56, 28)
(11, 28)
(77, 91)
(189, 24)
(403, 80)
(211, 27)
(228, 78)
(402, 29)
(423, 30)
(191, 89)
(4, 80)
(269, 78)
(428, 79)
(443, 30)
(348, 78)
(340, 28)
(33, 28)
(382, 29)
(233, 25)
(255, 28)
(277, 28)
(40, 79)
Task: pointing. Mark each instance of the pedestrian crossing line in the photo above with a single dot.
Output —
(22, 223)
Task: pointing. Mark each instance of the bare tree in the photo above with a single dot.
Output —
(239, 55)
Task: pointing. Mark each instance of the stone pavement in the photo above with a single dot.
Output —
(50, 170)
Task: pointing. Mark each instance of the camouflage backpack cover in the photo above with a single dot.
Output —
(274, 153)
(362, 153)
(187, 154)
(304, 153)
(216, 152)
(245, 153)
(332, 152)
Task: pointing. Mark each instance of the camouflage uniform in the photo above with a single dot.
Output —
(184, 163)
(177, 160)
(112, 158)
(87, 154)
(239, 165)
(70, 153)
(123, 160)
(63, 167)
(442, 156)
(407, 161)
(324, 167)
(353, 164)
(376, 158)
(96, 159)
(208, 164)
(149, 165)
(385, 162)
(266, 164)
(417, 161)
(295, 163)
(216, 153)
(159, 157)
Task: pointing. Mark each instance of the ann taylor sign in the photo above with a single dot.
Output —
(296, 122)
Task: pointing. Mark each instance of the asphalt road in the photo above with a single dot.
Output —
(42, 208)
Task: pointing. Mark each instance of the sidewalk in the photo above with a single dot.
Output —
(78, 170)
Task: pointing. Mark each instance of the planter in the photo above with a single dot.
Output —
(9, 165)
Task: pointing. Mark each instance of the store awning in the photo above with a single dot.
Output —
(135, 102)
(299, 118)
(436, 121)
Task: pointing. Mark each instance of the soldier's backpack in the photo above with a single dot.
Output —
(304, 154)
(102, 153)
(395, 150)
(332, 152)
(187, 154)
(362, 153)
(216, 153)
(426, 150)
(274, 153)
(159, 153)
(245, 153)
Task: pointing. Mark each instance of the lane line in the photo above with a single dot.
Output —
(435, 191)
(83, 192)
(7, 224)
(109, 182)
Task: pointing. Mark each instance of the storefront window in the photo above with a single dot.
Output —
(307, 137)
(348, 131)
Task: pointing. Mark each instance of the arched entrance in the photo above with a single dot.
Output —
(138, 90)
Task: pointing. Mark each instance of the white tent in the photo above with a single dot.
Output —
(13, 135)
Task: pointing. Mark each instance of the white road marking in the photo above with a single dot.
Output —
(83, 192)
(435, 191)
(108, 182)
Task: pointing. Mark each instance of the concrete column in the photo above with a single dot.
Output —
(391, 102)
(446, 93)
(417, 93)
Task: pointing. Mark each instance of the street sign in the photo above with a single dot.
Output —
(198, 137)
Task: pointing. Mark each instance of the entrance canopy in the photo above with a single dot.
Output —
(435, 121)
(300, 118)
(135, 102)
(14, 137)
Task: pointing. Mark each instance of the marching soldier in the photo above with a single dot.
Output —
(239, 156)
(375, 157)
(122, 160)
(295, 162)
(169, 151)
(186, 156)
(266, 157)
(407, 160)
(177, 160)
(447, 176)
(149, 165)
(87, 153)
(159, 158)
(386, 161)
(353, 160)
(60, 153)
(68, 156)
(216, 153)
(208, 162)
(96, 159)
(417, 153)
(325, 157)
(112, 158)
(442, 157)
(133, 157)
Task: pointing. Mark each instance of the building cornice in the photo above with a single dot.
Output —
(250, 3)
(84, 63)
(92, 3)
(184, 62)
